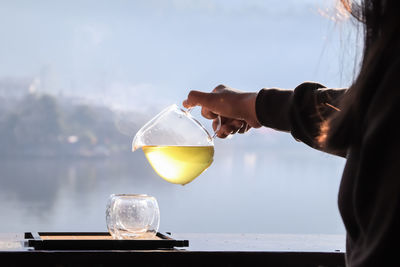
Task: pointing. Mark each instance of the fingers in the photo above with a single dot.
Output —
(205, 100)
(226, 130)
(217, 102)
(236, 125)
(196, 98)
(229, 127)
(208, 114)
(246, 127)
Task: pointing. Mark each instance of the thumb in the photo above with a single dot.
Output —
(197, 98)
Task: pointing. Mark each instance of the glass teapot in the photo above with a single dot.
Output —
(176, 145)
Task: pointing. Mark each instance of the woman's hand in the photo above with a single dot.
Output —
(237, 109)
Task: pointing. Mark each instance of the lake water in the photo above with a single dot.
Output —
(259, 183)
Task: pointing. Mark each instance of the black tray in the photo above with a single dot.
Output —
(97, 241)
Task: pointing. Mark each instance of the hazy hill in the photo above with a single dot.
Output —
(46, 125)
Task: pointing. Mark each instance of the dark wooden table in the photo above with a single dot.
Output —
(204, 250)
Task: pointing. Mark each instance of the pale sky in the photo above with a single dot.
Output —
(140, 54)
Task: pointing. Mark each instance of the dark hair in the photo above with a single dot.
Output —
(381, 27)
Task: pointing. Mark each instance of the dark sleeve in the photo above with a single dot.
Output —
(299, 111)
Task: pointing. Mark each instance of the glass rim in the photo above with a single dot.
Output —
(132, 195)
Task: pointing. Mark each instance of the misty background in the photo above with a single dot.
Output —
(79, 78)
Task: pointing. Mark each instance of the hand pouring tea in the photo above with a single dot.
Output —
(176, 145)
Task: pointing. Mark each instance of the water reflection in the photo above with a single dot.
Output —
(247, 189)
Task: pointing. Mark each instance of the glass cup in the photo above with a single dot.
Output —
(176, 145)
(132, 216)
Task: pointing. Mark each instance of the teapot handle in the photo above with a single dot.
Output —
(218, 126)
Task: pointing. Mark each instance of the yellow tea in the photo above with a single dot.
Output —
(179, 164)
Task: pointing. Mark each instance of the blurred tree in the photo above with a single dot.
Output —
(39, 125)
(38, 121)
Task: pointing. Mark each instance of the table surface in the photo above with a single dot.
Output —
(229, 242)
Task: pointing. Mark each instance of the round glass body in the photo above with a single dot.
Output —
(131, 216)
